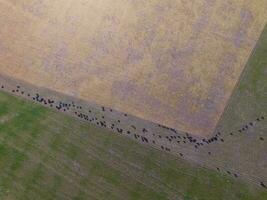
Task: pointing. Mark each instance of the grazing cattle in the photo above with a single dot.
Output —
(167, 149)
(183, 139)
(144, 139)
(144, 130)
(263, 185)
(58, 107)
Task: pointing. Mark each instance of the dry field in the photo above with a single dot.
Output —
(173, 62)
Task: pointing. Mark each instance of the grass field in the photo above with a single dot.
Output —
(47, 155)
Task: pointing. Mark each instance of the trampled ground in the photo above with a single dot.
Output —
(171, 62)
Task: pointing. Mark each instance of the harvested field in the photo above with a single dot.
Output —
(174, 63)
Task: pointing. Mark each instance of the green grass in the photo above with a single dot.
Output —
(256, 73)
(47, 155)
(249, 100)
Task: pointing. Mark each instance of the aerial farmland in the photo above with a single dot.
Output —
(133, 99)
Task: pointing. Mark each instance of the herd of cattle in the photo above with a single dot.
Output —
(163, 138)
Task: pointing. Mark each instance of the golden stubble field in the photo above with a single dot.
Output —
(173, 62)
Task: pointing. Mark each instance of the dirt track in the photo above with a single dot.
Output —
(217, 152)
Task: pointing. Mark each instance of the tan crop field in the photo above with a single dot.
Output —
(173, 62)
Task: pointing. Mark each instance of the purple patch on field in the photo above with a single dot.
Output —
(240, 35)
(134, 56)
